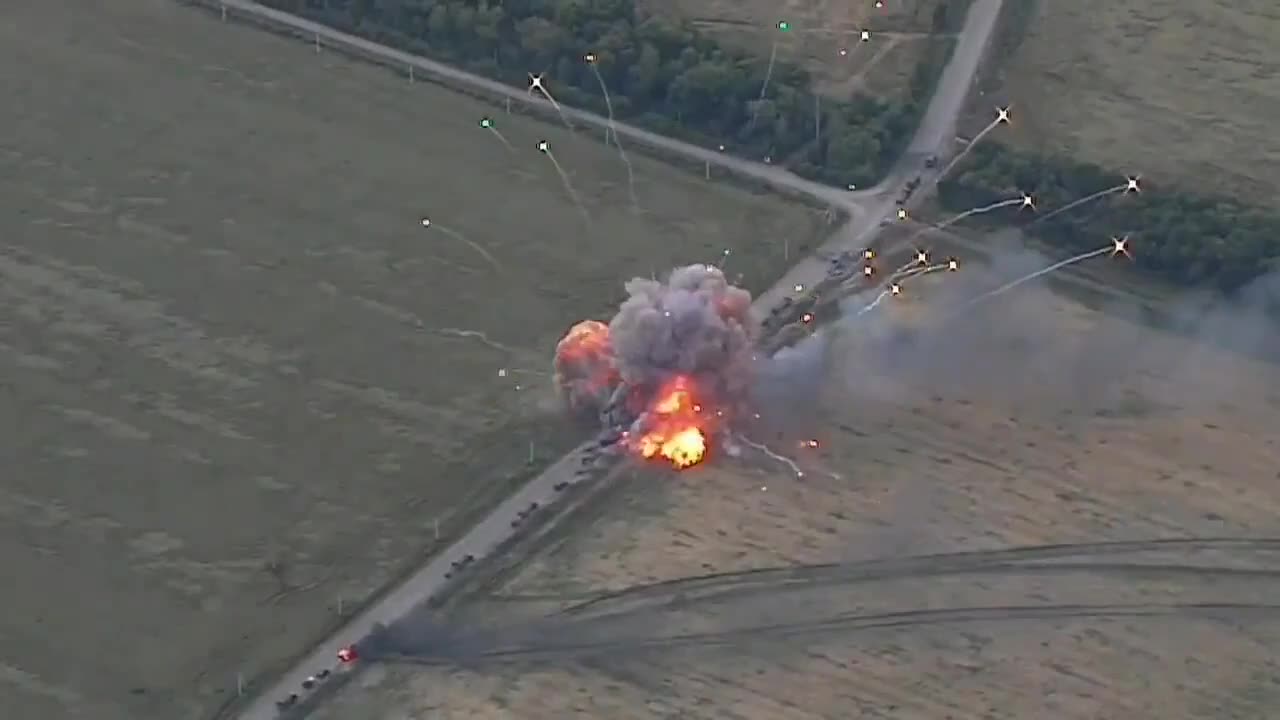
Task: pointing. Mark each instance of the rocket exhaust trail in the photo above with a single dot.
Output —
(1028, 278)
(780, 458)
(873, 304)
(545, 149)
(764, 87)
(502, 138)
(1002, 117)
(535, 83)
(427, 223)
(1021, 200)
(1079, 202)
(613, 130)
(917, 272)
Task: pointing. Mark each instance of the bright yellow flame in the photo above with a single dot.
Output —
(672, 402)
(676, 435)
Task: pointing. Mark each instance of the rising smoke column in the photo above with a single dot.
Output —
(695, 324)
(678, 353)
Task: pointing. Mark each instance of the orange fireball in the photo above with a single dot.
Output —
(675, 429)
(584, 365)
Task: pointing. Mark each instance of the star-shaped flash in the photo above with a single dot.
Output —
(865, 36)
(1002, 114)
(953, 265)
(535, 83)
(895, 289)
(902, 213)
(869, 254)
(1132, 184)
(544, 146)
(922, 257)
(1120, 246)
(868, 271)
(1028, 202)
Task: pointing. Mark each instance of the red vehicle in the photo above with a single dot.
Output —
(348, 654)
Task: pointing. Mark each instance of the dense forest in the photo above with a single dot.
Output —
(1183, 238)
(661, 73)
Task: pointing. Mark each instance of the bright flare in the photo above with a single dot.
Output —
(675, 427)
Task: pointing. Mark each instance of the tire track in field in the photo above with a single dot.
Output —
(901, 568)
(854, 623)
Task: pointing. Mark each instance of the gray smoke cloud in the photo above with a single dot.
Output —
(693, 323)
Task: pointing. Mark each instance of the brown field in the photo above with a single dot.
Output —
(1035, 420)
(820, 30)
(1182, 91)
(242, 382)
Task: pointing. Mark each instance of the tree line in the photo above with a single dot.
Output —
(1180, 237)
(661, 73)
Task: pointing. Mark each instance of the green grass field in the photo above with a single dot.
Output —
(243, 382)
(1184, 92)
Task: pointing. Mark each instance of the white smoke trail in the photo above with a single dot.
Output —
(613, 130)
(779, 458)
(545, 148)
(764, 87)
(427, 223)
(1001, 118)
(1078, 203)
(502, 138)
(1032, 276)
(536, 83)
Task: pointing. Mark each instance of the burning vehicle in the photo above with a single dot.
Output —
(670, 371)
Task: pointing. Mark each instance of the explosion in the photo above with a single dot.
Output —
(672, 367)
(674, 427)
(584, 368)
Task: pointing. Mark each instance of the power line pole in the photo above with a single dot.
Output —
(817, 117)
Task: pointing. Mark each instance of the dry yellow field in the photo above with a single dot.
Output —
(242, 382)
(1180, 90)
(825, 37)
(1031, 420)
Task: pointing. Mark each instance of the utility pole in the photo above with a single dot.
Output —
(817, 117)
(317, 36)
(410, 73)
(239, 676)
(224, 13)
(706, 170)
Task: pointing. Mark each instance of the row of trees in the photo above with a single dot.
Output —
(1181, 237)
(660, 72)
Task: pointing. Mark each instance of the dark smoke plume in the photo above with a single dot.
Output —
(693, 324)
